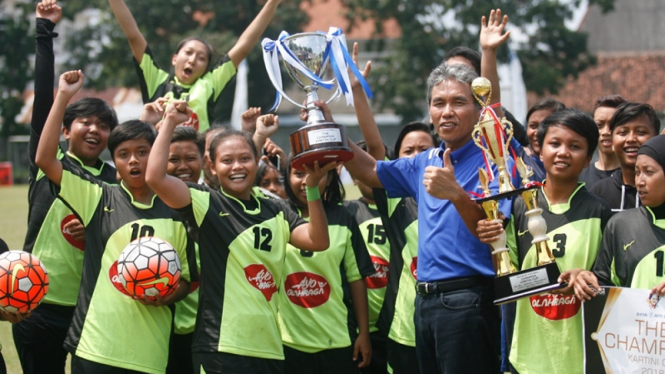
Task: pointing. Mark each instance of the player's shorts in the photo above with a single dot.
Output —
(401, 358)
(378, 364)
(83, 366)
(329, 361)
(227, 363)
(180, 354)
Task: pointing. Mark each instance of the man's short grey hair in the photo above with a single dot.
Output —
(459, 72)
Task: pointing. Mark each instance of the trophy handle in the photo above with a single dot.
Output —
(478, 139)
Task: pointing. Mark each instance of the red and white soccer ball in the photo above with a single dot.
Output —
(23, 281)
(149, 266)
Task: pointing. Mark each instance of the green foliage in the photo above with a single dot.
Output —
(103, 52)
(15, 68)
(549, 56)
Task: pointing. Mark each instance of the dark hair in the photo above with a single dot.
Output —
(631, 111)
(333, 194)
(473, 56)
(262, 170)
(90, 106)
(195, 38)
(131, 130)
(188, 134)
(247, 137)
(610, 101)
(409, 128)
(547, 103)
(575, 120)
(389, 152)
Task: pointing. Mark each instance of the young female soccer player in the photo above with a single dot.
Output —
(631, 254)
(270, 179)
(575, 222)
(314, 310)
(55, 234)
(192, 79)
(242, 243)
(115, 215)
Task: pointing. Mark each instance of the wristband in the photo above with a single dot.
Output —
(313, 193)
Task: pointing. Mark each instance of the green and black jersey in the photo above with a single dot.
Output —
(400, 219)
(314, 311)
(242, 247)
(378, 247)
(109, 327)
(49, 240)
(632, 252)
(184, 319)
(201, 95)
(574, 230)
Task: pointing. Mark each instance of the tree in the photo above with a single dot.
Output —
(549, 55)
(102, 51)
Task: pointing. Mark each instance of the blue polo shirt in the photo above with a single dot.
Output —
(446, 248)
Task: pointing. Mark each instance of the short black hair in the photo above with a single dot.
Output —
(262, 170)
(90, 106)
(575, 120)
(628, 112)
(609, 101)
(546, 103)
(473, 56)
(333, 194)
(245, 136)
(411, 127)
(131, 130)
(188, 134)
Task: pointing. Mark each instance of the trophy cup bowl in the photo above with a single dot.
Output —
(319, 140)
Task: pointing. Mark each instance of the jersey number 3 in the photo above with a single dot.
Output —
(560, 249)
(262, 238)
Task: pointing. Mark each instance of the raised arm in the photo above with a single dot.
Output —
(491, 38)
(253, 32)
(266, 125)
(48, 15)
(364, 113)
(170, 189)
(313, 236)
(47, 151)
(128, 25)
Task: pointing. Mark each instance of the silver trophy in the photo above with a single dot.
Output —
(306, 57)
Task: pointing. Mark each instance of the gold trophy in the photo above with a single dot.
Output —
(493, 136)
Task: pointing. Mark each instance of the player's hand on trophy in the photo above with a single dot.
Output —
(314, 173)
(491, 31)
(50, 10)
(355, 84)
(248, 119)
(489, 231)
(569, 277)
(441, 182)
(324, 108)
(585, 284)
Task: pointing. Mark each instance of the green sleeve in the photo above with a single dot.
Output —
(221, 75)
(80, 194)
(511, 243)
(152, 75)
(200, 204)
(357, 262)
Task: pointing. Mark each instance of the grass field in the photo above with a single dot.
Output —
(13, 225)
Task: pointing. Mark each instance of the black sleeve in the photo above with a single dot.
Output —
(44, 78)
(518, 129)
(363, 260)
(602, 267)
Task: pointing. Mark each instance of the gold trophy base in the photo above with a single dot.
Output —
(323, 142)
(527, 283)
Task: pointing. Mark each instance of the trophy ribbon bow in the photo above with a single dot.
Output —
(337, 44)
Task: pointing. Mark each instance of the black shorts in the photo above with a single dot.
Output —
(402, 358)
(378, 365)
(227, 363)
(39, 339)
(83, 366)
(180, 354)
(329, 361)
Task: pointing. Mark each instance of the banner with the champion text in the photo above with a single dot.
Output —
(624, 332)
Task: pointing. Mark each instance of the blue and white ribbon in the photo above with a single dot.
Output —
(341, 62)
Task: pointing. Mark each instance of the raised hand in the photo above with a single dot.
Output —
(177, 111)
(153, 112)
(70, 82)
(314, 173)
(248, 119)
(271, 149)
(491, 32)
(50, 10)
(266, 125)
(365, 72)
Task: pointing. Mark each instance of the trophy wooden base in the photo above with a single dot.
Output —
(323, 142)
(526, 283)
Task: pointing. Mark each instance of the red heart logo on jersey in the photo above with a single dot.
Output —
(380, 278)
(555, 307)
(80, 245)
(307, 290)
(115, 279)
(414, 267)
(261, 278)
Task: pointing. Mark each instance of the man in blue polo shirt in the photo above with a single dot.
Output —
(457, 325)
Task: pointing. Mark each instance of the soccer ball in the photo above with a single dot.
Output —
(23, 281)
(149, 266)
